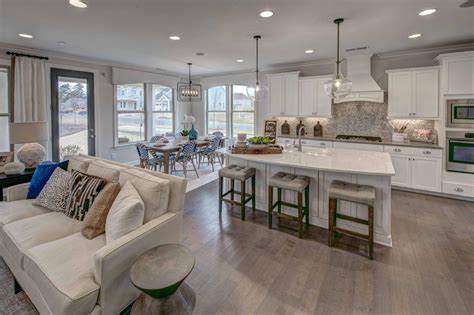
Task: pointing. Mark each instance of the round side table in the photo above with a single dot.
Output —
(159, 274)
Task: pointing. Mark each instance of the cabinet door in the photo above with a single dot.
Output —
(307, 97)
(460, 76)
(426, 173)
(276, 95)
(291, 91)
(323, 102)
(401, 164)
(400, 94)
(425, 93)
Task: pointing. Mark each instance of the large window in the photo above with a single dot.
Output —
(243, 110)
(131, 125)
(4, 117)
(217, 109)
(162, 111)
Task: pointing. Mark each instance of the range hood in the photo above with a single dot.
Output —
(364, 87)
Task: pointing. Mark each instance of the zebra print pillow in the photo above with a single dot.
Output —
(55, 193)
(83, 189)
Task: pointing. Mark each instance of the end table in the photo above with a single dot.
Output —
(12, 180)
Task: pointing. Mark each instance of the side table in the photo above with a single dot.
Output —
(159, 274)
(12, 180)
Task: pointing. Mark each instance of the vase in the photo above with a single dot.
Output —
(193, 133)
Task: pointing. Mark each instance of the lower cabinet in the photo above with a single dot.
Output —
(401, 164)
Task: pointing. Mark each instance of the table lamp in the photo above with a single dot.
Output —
(31, 153)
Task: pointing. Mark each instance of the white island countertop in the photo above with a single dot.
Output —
(327, 159)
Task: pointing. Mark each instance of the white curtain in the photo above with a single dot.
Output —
(29, 90)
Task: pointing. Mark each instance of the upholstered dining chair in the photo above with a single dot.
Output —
(184, 157)
(145, 160)
(210, 153)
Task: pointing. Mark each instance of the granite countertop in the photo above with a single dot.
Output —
(384, 142)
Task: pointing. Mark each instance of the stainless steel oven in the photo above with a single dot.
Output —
(460, 113)
(460, 151)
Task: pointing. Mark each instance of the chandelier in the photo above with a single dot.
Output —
(189, 91)
(260, 90)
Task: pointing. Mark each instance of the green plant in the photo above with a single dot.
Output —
(259, 140)
(185, 133)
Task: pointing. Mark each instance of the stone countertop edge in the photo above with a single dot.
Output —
(384, 142)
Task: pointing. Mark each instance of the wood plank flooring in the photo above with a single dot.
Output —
(245, 268)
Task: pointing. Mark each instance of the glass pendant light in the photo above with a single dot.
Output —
(259, 91)
(339, 87)
(189, 90)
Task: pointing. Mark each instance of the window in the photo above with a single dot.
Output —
(163, 110)
(243, 110)
(4, 117)
(130, 113)
(217, 109)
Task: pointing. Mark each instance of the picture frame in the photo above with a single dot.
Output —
(270, 129)
(5, 157)
(183, 85)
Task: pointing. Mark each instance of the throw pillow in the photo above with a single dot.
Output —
(83, 189)
(126, 214)
(94, 222)
(54, 194)
(42, 173)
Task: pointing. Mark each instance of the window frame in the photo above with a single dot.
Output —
(173, 109)
(226, 111)
(9, 111)
(232, 111)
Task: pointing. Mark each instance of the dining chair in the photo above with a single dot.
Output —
(145, 160)
(185, 156)
(211, 153)
(155, 139)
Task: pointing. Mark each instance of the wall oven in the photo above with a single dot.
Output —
(460, 151)
(460, 113)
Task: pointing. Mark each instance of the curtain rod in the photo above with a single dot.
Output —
(26, 55)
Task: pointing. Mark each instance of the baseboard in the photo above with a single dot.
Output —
(433, 193)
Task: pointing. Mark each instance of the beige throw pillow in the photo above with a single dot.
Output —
(94, 222)
(126, 214)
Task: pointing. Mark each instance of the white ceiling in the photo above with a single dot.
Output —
(135, 32)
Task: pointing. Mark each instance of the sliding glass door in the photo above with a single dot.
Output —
(72, 97)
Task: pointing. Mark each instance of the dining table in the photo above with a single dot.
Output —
(171, 147)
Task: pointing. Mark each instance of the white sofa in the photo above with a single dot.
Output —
(60, 270)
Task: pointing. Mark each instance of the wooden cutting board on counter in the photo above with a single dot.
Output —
(248, 150)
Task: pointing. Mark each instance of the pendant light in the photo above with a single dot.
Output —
(259, 90)
(190, 90)
(339, 87)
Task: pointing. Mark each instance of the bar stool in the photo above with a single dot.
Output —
(235, 172)
(297, 183)
(361, 194)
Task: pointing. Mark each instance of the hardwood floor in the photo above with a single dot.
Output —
(245, 268)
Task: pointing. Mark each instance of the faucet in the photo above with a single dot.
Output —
(300, 146)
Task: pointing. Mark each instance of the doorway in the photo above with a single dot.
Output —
(73, 123)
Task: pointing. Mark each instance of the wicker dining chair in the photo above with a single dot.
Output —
(145, 160)
(211, 153)
(184, 157)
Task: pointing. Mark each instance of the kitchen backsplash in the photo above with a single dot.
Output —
(357, 118)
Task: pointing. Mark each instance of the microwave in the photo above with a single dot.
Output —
(460, 113)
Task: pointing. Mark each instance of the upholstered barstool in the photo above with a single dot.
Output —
(361, 194)
(296, 183)
(240, 173)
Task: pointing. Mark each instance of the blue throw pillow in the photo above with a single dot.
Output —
(42, 174)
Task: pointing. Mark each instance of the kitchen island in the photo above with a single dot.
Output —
(323, 166)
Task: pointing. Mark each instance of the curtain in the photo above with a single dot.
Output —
(29, 89)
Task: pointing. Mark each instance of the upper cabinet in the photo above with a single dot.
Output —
(457, 73)
(313, 99)
(413, 93)
(283, 93)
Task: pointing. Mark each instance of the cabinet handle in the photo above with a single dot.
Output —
(322, 143)
(397, 150)
(458, 189)
(303, 142)
(426, 152)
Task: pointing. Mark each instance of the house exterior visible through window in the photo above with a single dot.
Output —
(162, 110)
(243, 110)
(130, 108)
(217, 110)
(4, 114)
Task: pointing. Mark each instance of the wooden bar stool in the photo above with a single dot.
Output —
(361, 194)
(297, 183)
(235, 172)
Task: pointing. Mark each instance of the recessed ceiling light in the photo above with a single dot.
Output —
(239, 60)
(174, 37)
(61, 43)
(200, 54)
(266, 14)
(78, 4)
(25, 35)
(414, 35)
(309, 51)
(427, 12)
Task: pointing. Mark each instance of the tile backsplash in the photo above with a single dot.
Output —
(357, 118)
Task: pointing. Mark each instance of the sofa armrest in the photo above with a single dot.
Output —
(17, 192)
(112, 262)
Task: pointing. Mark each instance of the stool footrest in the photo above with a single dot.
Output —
(352, 219)
(237, 203)
(351, 233)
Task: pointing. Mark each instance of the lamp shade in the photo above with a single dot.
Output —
(28, 132)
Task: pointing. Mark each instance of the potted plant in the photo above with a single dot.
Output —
(185, 135)
(259, 142)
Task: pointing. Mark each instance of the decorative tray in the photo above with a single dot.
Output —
(275, 149)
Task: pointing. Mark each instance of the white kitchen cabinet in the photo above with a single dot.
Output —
(426, 173)
(413, 93)
(401, 164)
(313, 99)
(284, 93)
(457, 73)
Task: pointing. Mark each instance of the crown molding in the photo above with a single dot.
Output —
(436, 50)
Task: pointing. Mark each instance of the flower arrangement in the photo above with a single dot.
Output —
(259, 140)
(184, 132)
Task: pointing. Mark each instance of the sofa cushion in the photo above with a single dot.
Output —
(63, 272)
(19, 236)
(77, 162)
(56, 191)
(41, 176)
(153, 190)
(18, 210)
(109, 172)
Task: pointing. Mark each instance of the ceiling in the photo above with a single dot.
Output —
(135, 32)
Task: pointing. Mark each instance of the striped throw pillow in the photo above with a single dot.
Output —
(83, 189)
